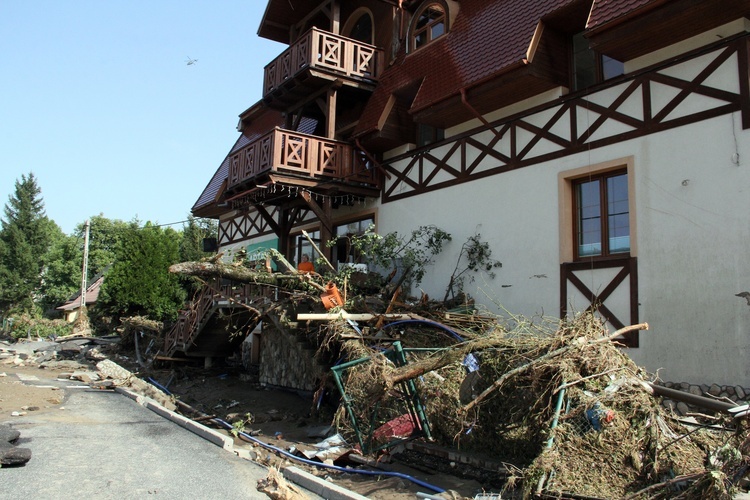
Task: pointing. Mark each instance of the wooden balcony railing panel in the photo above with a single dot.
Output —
(322, 50)
(289, 152)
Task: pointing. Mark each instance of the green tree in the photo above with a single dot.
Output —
(105, 237)
(191, 248)
(61, 277)
(139, 282)
(409, 256)
(193, 233)
(26, 236)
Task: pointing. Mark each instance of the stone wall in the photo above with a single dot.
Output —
(736, 393)
(287, 360)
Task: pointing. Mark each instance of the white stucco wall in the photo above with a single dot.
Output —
(693, 232)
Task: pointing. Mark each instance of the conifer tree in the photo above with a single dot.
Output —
(139, 282)
(25, 237)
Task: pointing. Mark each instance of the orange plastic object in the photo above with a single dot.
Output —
(331, 297)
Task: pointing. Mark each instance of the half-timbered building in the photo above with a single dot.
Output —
(600, 147)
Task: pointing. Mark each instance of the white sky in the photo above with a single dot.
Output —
(98, 101)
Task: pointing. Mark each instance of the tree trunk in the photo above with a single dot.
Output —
(245, 275)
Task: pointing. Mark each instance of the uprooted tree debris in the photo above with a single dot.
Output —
(558, 402)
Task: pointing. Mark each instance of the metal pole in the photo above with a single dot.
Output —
(84, 273)
(692, 399)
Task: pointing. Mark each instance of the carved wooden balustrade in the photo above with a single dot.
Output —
(286, 152)
(325, 51)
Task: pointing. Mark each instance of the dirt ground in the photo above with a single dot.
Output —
(16, 396)
(278, 418)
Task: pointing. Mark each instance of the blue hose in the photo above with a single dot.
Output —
(347, 470)
(425, 322)
(321, 465)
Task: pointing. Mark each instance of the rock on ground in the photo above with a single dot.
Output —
(9, 453)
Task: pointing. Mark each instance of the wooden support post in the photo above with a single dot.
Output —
(331, 114)
(335, 17)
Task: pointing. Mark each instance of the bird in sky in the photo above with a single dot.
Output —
(190, 61)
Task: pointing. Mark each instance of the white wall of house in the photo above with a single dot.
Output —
(690, 231)
(693, 235)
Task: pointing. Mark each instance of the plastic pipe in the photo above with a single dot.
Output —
(425, 322)
(347, 470)
(285, 453)
(551, 440)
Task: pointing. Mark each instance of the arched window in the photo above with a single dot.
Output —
(360, 26)
(429, 23)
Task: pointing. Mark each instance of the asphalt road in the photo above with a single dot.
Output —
(104, 445)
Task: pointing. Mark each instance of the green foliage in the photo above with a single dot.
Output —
(193, 233)
(240, 426)
(40, 267)
(24, 325)
(62, 271)
(191, 247)
(411, 255)
(105, 238)
(25, 237)
(476, 256)
(139, 282)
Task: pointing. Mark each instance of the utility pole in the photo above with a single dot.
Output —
(84, 273)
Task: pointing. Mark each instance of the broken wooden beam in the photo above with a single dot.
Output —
(354, 316)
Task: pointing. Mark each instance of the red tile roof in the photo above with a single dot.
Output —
(606, 11)
(486, 39)
(92, 294)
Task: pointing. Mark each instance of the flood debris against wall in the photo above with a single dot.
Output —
(557, 402)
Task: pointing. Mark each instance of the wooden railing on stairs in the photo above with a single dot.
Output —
(211, 297)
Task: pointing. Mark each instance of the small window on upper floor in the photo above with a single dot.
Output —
(429, 23)
(590, 67)
(427, 134)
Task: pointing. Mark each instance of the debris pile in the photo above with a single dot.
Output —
(560, 403)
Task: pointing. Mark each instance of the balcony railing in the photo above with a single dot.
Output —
(318, 49)
(286, 152)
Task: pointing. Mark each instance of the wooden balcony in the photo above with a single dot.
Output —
(302, 160)
(317, 59)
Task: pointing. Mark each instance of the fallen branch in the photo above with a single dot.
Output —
(499, 382)
(142, 323)
(449, 356)
(322, 256)
(244, 274)
(678, 479)
(569, 384)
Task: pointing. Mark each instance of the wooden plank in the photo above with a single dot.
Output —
(353, 316)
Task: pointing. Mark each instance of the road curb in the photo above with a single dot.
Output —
(210, 435)
(310, 482)
(319, 486)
